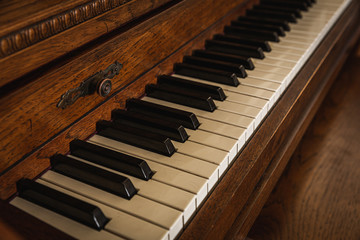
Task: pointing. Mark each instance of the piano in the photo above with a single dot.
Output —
(167, 119)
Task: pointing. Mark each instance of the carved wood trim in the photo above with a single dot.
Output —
(30, 35)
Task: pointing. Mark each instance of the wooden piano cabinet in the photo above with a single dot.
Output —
(318, 195)
(237, 200)
(232, 207)
(28, 111)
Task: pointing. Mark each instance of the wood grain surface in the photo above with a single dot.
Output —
(29, 115)
(318, 196)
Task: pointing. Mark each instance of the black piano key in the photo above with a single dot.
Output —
(245, 61)
(278, 29)
(136, 137)
(214, 91)
(284, 9)
(180, 96)
(238, 69)
(264, 45)
(279, 3)
(234, 48)
(309, 3)
(252, 33)
(272, 14)
(175, 131)
(187, 119)
(62, 203)
(94, 176)
(213, 75)
(263, 20)
(108, 158)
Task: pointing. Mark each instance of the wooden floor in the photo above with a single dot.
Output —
(318, 196)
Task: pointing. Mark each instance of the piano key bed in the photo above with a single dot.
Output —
(144, 174)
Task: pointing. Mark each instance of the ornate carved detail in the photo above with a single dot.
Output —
(39, 31)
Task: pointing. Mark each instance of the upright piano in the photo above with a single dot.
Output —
(163, 119)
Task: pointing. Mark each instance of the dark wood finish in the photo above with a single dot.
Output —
(29, 114)
(40, 129)
(317, 196)
(236, 201)
(32, 30)
(18, 225)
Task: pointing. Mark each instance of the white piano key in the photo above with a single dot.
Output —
(154, 212)
(282, 55)
(261, 83)
(268, 68)
(72, 228)
(159, 192)
(275, 62)
(120, 223)
(214, 140)
(224, 129)
(249, 100)
(166, 174)
(270, 76)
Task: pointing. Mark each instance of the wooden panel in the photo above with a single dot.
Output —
(318, 196)
(30, 116)
(59, 29)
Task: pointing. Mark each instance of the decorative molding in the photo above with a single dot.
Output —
(39, 31)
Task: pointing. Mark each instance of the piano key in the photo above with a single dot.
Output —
(185, 172)
(175, 131)
(214, 140)
(263, 20)
(198, 136)
(213, 75)
(61, 203)
(114, 160)
(276, 3)
(264, 45)
(252, 34)
(215, 92)
(71, 227)
(269, 76)
(276, 63)
(221, 116)
(247, 100)
(268, 68)
(160, 192)
(154, 142)
(181, 96)
(224, 129)
(154, 212)
(234, 48)
(105, 180)
(273, 28)
(296, 11)
(121, 223)
(279, 48)
(260, 83)
(187, 119)
(272, 14)
(216, 64)
(271, 96)
(245, 61)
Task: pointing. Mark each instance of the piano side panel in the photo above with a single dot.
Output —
(38, 161)
(235, 203)
(29, 115)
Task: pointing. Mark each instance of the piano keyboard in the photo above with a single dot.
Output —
(164, 182)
